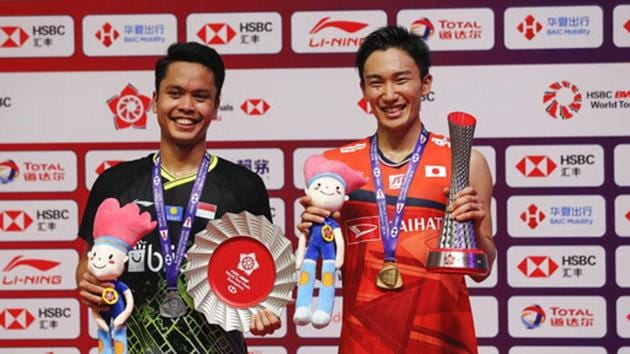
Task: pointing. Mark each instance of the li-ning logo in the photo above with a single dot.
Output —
(107, 35)
(9, 171)
(537, 266)
(529, 27)
(532, 216)
(15, 36)
(423, 28)
(130, 108)
(346, 26)
(105, 165)
(562, 100)
(255, 107)
(14, 220)
(16, 318)
(533, 316)
(216, 33)
(39, 264)
(536, 166)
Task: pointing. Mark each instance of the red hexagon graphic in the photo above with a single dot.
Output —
(627, 26)
(532, 216)
(130, 108)
(255, 107)
(15, 36)
(562, 100)
(529, 27)
(628, 216)
(365, 106)
(216, 33)
(107, 34)
(537, 266)
(16, 318)
(346, 26)
(536, 166)
(14, 220)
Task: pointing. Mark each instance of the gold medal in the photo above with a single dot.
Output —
(327, 233)
(109, 296)
(389, 277)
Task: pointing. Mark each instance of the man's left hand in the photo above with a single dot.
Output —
(264, 322)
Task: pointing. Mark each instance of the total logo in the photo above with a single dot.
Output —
(130, 108)
(329, 33)
(537, 266)
(423, 27)
(562, 99)
(9, 171)
(255, 107)
(12, 37)
(107, 34)
(532, 216)
(216, 33)
(533, 316)
(14, 220)
(529, 27)
(105, 165)
(16, 318)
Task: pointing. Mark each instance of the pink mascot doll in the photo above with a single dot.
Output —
(116, 231)
(327, 183)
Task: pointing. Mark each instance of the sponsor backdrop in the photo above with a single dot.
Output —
(548, 84)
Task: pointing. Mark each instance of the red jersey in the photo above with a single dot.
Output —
(431, 313)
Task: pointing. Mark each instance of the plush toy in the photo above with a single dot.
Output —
(116, 231)
(328, 183)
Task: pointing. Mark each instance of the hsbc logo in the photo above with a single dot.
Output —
(216, 33)
(364, 229)
(16, 318)
(14, 220)
(529, 27)
(130, 108)
(105, 165)
(536, 166)
(365, 106)
(537, 266)
(532, 216)
(12, 37)
(107, 34)
(255, 107)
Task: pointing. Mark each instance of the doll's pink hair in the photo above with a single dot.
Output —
(318, 166)
(118, 226)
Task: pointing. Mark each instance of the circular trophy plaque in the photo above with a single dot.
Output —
(238, 265)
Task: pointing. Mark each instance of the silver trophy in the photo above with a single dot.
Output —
(458, 252)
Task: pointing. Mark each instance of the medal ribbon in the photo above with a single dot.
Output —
(173, 262)
(390, 230)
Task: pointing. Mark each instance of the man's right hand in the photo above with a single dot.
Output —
(312, 215)
(90, 288)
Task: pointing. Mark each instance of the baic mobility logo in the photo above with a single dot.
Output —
(8, 171)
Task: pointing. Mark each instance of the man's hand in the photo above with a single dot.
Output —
(90, 289)
(264, 322)
(312, 215)
(467, 205)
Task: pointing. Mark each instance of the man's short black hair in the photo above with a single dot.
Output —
(395, 37)
(191, 52)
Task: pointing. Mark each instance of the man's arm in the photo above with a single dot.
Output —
(90, 289)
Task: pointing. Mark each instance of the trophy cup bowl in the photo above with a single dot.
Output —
(457, 251)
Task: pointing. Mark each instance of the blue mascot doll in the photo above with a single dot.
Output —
(328, 183)
(116, 231)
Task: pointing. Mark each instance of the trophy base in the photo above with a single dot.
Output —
(457, 260)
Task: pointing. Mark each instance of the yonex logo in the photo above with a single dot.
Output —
(255, 107)
(14, 220)
(130, 108)
(423, 28)
(16, 318)
(537, 266)
(532, 216)
(346, 26)
(107, 34)
(216, 33)
(14, 37)
(529, 27)
(536, 166)
(562, 100)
